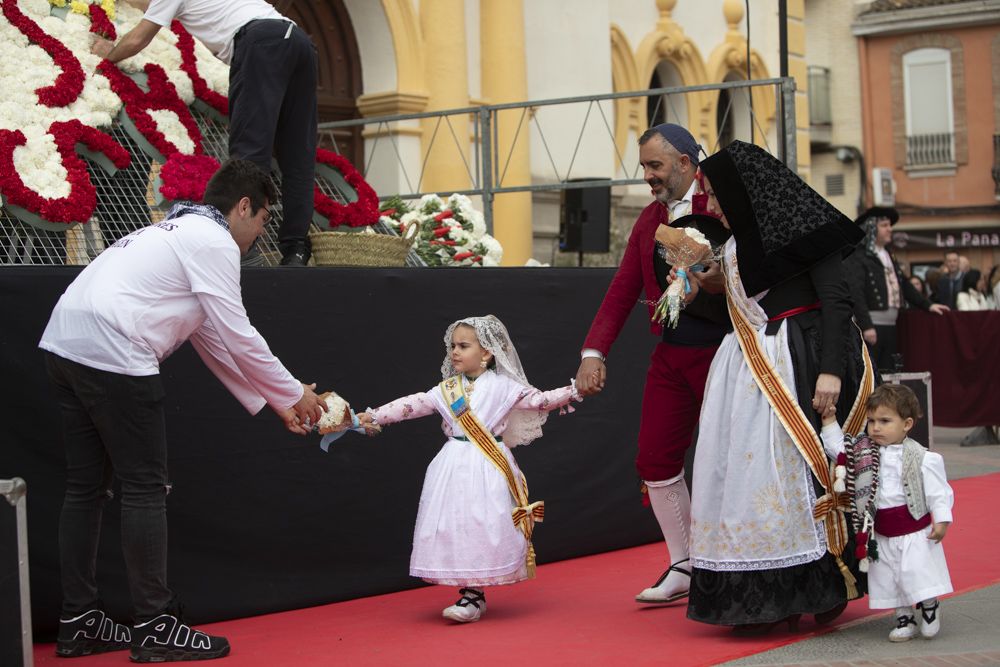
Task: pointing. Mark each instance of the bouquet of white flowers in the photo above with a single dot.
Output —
(337, 420)
(686, 249)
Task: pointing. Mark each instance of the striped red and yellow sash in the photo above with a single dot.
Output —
(831, 506)
(524, 514)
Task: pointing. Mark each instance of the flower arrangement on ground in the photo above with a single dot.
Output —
(451, 231)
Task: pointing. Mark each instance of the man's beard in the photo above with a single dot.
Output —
(672, 187)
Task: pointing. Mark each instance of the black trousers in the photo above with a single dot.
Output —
(113, 425)
(272, 111)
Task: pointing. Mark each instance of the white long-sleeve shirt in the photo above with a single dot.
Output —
(938, 493)
(213, 22)
(161, 285)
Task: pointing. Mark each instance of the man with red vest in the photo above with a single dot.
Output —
(675, 381)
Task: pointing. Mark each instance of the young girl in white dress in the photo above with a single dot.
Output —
(907, 506)
(474, 522)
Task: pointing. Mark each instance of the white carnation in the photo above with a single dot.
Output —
(410, 217)
(170, 125)
(431, 199)
(478, 223)
(36, 9)
(493, 248)
(696, 235)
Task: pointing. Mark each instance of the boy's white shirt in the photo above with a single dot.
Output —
(938, 493)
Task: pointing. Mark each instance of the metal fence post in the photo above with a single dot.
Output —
(791, 133)
(14, 491)
(486, 132)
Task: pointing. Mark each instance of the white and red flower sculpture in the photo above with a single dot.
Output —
(60, 100)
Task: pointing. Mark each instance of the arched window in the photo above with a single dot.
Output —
(732, 114)
(666, 108)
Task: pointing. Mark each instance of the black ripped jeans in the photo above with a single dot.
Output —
(113, 425)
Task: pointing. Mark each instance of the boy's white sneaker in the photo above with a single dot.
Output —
(905, 630)
(930, 619)
(469, 608)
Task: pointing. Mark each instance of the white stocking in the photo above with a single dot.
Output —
(672, 507)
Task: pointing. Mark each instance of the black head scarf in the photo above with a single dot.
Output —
(781, 225)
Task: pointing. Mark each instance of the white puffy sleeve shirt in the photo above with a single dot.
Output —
(140, 299)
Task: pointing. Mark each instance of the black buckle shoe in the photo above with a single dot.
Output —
(91, 632)
(167, 639)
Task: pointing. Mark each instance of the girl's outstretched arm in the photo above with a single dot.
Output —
(536, 399)
(408, 407)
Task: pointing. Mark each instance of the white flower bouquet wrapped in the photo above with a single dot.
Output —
(337, 416)
(685, 249)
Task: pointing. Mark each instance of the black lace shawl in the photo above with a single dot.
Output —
(782, 226)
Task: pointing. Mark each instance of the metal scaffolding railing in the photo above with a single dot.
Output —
(490, 161)
(124, 201)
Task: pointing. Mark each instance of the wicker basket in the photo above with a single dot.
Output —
(359, 249)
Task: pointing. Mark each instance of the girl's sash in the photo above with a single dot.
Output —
(830, 507)
(524, 514)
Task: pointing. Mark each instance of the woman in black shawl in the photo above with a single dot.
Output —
(761, 549)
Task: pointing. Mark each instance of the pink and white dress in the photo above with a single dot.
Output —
(464, 535)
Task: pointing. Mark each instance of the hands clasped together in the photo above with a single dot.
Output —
(323, 413)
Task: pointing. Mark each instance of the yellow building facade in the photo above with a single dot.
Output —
(434, 55)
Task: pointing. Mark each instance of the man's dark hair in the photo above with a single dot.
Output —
(649, 134)
(896, 397)
(236, 179)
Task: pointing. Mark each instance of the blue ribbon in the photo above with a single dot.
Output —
(330, 438)
(682, 274)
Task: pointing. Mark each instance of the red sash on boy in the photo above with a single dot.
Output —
(897, 521)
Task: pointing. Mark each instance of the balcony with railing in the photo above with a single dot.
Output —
(930, 150)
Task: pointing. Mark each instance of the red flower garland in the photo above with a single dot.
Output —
(79, 205)
(161, 96)
(189, 65)
(360, 213)
(69, 84)
(185, 176)
(100, 24)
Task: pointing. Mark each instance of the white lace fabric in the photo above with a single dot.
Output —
(523, 426)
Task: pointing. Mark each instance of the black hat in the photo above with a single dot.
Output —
(708, 225)
(782, 226)
(878, 212)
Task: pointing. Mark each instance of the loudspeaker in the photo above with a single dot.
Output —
(585, 218)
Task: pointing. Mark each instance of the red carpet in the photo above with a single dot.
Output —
(577, 612)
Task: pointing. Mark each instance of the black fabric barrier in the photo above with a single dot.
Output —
(262, 520)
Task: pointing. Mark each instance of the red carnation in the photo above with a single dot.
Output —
(443, 215)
